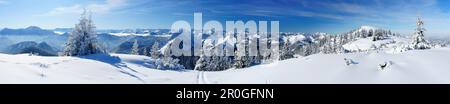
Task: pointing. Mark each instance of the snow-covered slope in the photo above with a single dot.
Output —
(116, 68)
(366, 44)
(416, 66)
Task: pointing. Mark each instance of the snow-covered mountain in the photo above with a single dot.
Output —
(134, 32)
(5, 42)
(144, 42)
(31, 47)
(361, 39)
(32, 30)
(107, 38)
(306, 44)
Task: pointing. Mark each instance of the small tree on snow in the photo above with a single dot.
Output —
(419, 41)
(286, 52)
(167, 62)
(202, 62)
(145, 52)
(242, 60)
(378, 35)
(83, 39)
(154, 52)
(135, 48)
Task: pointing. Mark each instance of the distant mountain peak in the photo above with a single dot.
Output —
(33, 28)
(31, 47)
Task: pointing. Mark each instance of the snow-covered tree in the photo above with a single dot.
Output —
(418, 40)
(224, 62)
(83, 39)
(378, 35)
(307, 49)
(239, 62)
(363, 34)
(167, 62)
(154, 51)
(202, 62)
(146, 53)
(286, 51)
(135, 48)
(371, 32)
(242, 60)
(216, 62)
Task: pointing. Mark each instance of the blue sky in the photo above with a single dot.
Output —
(331, 16)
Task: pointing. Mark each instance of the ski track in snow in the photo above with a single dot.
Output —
(201, 78)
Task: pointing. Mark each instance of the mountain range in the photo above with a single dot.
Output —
(56, 38)
(42, 48)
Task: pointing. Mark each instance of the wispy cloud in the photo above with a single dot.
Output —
(321, 15)
(64, 10)
(103, 8)
(108, 6)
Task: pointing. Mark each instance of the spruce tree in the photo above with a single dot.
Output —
(145, 52)
(154, 51)
(418, 40)
(83, 39)
(286, 52)
(135, 48)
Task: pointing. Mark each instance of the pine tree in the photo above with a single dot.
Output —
(154, 51)
(135, 48)
(225, 62)
(286, 52)
(214, 62)
(419, 41)
(307, 49)
(242, 60)
(145, 52)
(167, 62)
(362, 34)
(83, 39)
(202, 62)
(378, 35)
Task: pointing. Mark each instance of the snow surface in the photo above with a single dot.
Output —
(115, 68)
(416, 66)
(411, 67)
